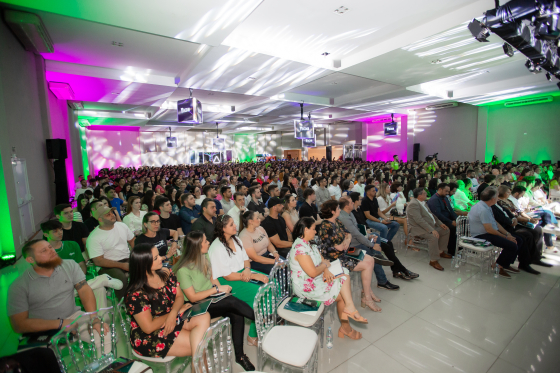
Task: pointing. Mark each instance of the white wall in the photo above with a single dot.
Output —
(449, 132)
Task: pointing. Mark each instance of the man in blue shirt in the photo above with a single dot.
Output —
(189, 212)
(115, 201)
(484, 226)
(441, 207)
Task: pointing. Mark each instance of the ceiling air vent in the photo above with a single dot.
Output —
(30, 31)
(442, 106)
(528, 101)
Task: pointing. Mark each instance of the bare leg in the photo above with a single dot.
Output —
(346, 294)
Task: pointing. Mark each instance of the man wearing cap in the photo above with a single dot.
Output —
(108, 244)
(276, 228)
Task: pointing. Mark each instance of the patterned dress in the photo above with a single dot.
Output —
(308, 287)
(154, 344)
(330, 235)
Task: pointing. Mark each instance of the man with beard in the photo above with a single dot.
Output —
(108, 244)
(42, 298)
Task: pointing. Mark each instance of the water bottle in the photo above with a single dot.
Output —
(496, 271)
(458, 261)
(453, 268)
(329, 338)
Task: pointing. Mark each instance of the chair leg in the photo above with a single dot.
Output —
(168, 367)
(322, 330)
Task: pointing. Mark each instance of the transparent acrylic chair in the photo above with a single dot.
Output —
(484, 256)
(214, 354)
(75, 356)
(124, 320)
(293, 347)
(280, 275)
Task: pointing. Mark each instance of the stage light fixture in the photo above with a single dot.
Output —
(508, 49)
(479, 31)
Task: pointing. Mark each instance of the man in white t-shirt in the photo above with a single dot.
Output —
(108, 244)
(359, 187)
(82, 189)
(239, 208)
(334, 188)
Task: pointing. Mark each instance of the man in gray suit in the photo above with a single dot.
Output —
(423, 223)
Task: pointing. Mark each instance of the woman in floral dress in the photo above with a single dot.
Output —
(312, 279)
(335, 240)
(157, 328)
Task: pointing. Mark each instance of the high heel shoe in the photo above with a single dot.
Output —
(353, 334)
(252, 341)
(375, 299)
(354, 316)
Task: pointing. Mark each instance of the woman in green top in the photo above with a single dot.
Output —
(194, 274)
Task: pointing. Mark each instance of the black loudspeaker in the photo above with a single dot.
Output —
(56, 149)
(329, 153)
(416, 152)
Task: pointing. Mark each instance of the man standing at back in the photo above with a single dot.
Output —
(108, 244)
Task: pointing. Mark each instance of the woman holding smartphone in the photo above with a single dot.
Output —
(195, 278)
(231, 266)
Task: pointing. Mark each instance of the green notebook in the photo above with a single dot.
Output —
(295, 304)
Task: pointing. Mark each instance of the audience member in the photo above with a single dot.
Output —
(423, 223)
(290, 213)
(53, 232)
(168, 219)
(484, 226)
(440, 206)
(276, 228)
(375, 217)
(260, 250)
(207, 220)
(226, 201)
(189, 212)
(256, 205)
(72, 230)
(157, 236)
(238, 209)
(108, 244)
(134, 215)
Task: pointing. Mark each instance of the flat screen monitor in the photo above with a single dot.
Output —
(308, 143)
(171, 142)
(189, 111)
(390, 129)
(304, 129)
(218, 144)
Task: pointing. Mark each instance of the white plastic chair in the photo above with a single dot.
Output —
(485, 255)
(214, 354)
(74, 355)
(293, 347)
(280, 275)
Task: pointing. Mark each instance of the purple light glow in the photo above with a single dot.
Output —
(113, 146)
(381, 147)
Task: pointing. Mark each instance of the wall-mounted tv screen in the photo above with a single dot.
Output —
(218, 144)
(390, 129)
(189, 111)
(303, 129)
(171, 142)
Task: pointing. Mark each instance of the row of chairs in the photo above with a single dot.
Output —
(483, 256)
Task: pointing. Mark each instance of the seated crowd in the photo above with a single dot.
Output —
(165, 237)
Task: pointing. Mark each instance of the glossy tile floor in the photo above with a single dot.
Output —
(453, 321)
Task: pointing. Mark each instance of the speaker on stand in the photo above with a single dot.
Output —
(56, 149)
(416, 152)
(329, 153)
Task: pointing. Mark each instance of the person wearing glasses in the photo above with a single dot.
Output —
(153, 234)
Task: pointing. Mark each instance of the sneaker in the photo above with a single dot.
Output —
(113, 283)
(388, 286)
(245, 363)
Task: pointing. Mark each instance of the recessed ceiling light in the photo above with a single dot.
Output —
(210, 94)
(117, 44)
(341, 10)
(252, 78)
(436, 61)
(334, 83)
(115, 93)
(325, 54)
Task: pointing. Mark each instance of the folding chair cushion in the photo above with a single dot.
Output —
(292, 345)
(299, 318)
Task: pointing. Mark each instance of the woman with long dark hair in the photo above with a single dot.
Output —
(231, 266)
(148, 201)
(157, 328)
(195, 276)
(83, 208)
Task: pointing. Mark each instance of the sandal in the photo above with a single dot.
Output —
(375, 299)
(353, 334)
(352, 315)
(252, 341)
(371, 304)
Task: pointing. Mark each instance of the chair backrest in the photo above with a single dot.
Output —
(281, 275)
(463, 228)
(214, 354)
(123, 318)
(70, 351)
(264, 307)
